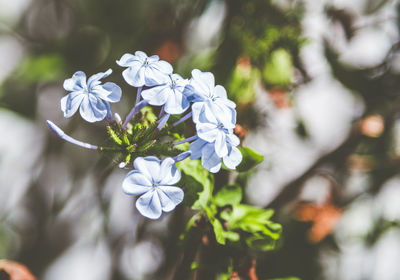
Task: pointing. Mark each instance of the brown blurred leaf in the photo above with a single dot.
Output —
(241, 132)
(16, 271)
(323, 217)
(169, 51)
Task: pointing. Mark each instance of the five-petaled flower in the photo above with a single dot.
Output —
(143, 70)
(210, 102)
(90, 97)
(170, 94)
(154, 181)
(210, 159)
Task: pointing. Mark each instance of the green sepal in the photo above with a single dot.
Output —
(114, 136)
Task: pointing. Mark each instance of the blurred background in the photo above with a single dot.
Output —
(317, 85)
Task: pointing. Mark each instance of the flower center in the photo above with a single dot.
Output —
(146, 63)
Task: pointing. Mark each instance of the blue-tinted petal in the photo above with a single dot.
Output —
(233, 139)
(95, 79)
(157, 95)
(135, 183)
(92, 109)
(220, 92)
(177, 103)
(222, 113)
(233, 158)
(169, 174)
(129, 60)
(207, 131)
(221, 148)
(70, 103)
(141, 55)
(196, 148)
(109, 92)
(153, 58)
(169, 197)
(149, 205)
(76, 83)
(154, 77)
(162, 66)
(203, 82)
(209, 159)
(134, 76)
(148, 166)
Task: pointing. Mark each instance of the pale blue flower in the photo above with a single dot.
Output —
(210, 102)
(219, 135)
(154, 181)
(170, 94)
(210, 159)
(143, 70)
(90, 97)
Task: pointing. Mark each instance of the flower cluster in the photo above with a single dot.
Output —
(213, 114)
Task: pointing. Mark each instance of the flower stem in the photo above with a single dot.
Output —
(139, 94)
(163, 121)
(182, 156)
(186, 140)
(69, 139)
(184, 118)
(139, 106)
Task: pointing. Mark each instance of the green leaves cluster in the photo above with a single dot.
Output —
(230, 219)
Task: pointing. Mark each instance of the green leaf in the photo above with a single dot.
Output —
(255, 221)
(218, 231)
(228, 195)
(192, 189)
(194, 169)
(250, 159)
(44, 68)
(221, 235)
(259, 242)
(279, 69)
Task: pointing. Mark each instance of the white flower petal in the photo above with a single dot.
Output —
(158, 95)
(134, 76)
(76, 83)
(154, 77)
(135, 183)
(163, 67)
(177, 103)
(233, 139)
(149, 205)
(95, 79)
(141, 55)
(203, 82)
(209, 159)
(169, 174)
(92, 108)
(70, 103)
(207, 131)
(169, 197)
(221, 148)
(110, 92)
(233, 158)
(129, 60)
(196, 148)
(220, 92)
(149, 167)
